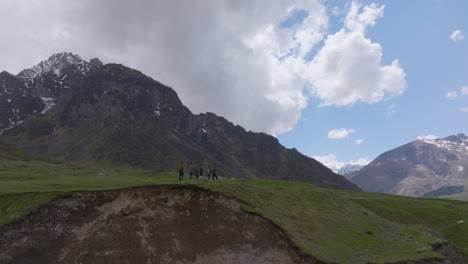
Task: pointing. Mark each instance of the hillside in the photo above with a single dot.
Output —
(113, 115)
(419, 167)
(292, 222)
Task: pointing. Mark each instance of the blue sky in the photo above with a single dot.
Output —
(307, 71)
(417, 33)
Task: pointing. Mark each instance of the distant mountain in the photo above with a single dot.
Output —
(417, 168)
(115, 115)
(349, 168)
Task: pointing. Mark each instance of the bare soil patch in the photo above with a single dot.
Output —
(157, 224)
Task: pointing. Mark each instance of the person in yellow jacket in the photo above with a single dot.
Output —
(180, 168)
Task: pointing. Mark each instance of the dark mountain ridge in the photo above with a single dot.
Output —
(115, 115)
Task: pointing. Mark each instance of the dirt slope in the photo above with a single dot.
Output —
(164, 224)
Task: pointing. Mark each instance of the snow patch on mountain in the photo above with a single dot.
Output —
(457, 143)
(49, 103)
(342, 167)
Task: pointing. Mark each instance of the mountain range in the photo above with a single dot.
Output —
(74, 110)
(426, 167)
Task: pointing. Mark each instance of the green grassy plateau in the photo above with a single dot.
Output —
(331, 225)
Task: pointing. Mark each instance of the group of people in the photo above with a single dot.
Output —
(197, 172)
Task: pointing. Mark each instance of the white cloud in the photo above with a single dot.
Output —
(358, 22)
(451, 95)
(348, 67)
(463, 109)
(359, 141)
(228, 57)
(428, 137)
(340, 133)
(332, 163)
(457, 35)
(464, 90)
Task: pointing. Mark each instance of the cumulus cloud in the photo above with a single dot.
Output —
(359, 141)
(348, 67)
(428, 137)
(463, 109)
(340, 133)
(457, 35)
(451, 95)
(227, 57)
(332, 163)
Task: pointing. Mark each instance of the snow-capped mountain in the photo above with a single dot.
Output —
(55, 63)
(349, 168)
(35, 90)
(340, 167)
(417, 168)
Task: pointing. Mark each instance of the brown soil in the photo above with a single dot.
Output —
(157, 224)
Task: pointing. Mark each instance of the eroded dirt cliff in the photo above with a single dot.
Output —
(159, 224)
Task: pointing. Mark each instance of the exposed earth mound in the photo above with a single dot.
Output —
(157, 224)
(165, 224)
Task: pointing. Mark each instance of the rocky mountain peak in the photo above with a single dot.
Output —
(56, 62)
(95, 63)
(458, 138)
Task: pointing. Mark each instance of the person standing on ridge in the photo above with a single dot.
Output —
(208, 172)
(197, 173)
(180, 168)
(214, 174)
(201, 170)
(191, 170)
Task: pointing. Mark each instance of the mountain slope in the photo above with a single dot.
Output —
(116, 115)
(417, 168)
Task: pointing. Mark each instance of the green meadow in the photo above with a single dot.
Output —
(331, 225)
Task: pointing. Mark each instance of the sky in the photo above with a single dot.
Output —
(341, 81)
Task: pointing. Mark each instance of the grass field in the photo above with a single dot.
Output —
(335, 226)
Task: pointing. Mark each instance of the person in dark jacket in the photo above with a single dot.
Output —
(214, 174)
(191, 170)
(201, 170)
